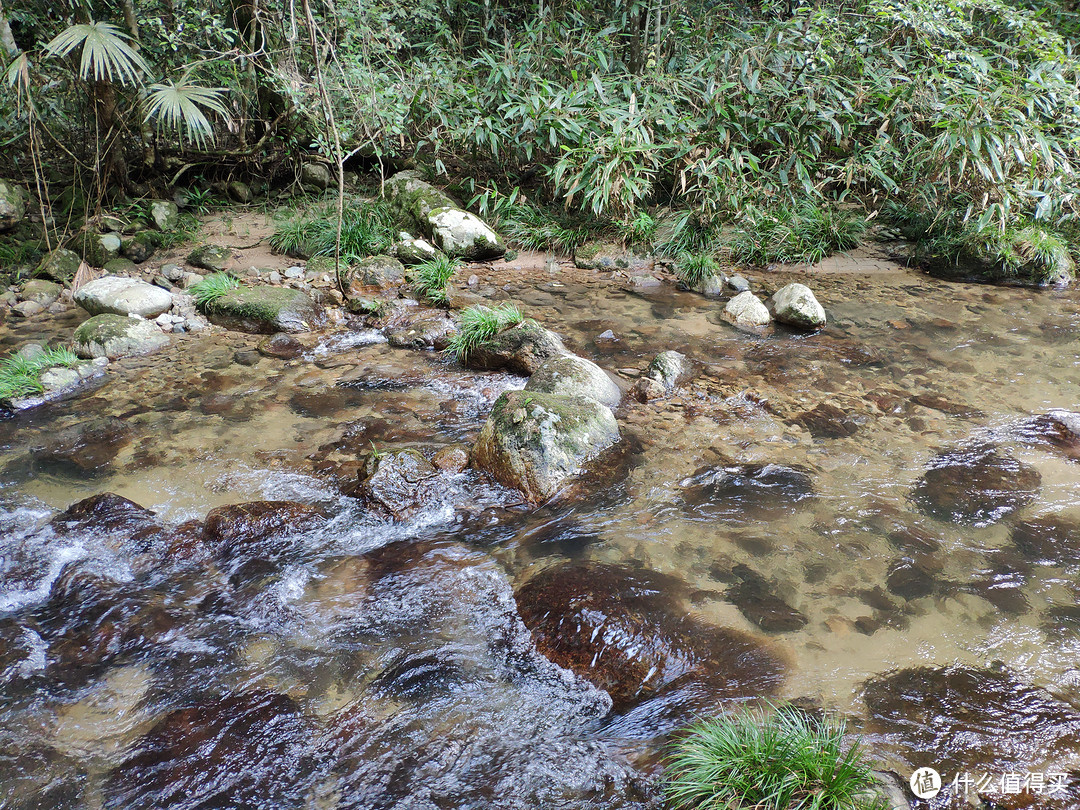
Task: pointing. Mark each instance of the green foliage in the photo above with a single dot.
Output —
(367, 228)
(20, 376)
(695, 268)
(806, 232)
(478, 324)
(106, 52)
(784, 760)
(430, 279)
(641, 230)
(211, 288)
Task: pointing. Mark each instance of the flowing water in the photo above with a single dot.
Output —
(374, 664)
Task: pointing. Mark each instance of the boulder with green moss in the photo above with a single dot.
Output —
(570, 375)
(609, 257)
(97, 249)
(521, 349)
(165, 214)
(42, 292)
(265, 310)
(60, 266)
(374, 272)
(454, 231)
(141, 246)
(1030, 255)
(214, 258)
(12, 205)
(536, 442)
(115, 336)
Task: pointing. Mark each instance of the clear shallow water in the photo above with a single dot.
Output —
(392, 656)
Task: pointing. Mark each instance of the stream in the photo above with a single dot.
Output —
(770, 528)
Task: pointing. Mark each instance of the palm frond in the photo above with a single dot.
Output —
(17, 71)
(179, 107)
(106, 53)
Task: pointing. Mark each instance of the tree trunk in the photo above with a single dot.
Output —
(7, 39)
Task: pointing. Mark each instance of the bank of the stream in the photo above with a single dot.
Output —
(877, 519)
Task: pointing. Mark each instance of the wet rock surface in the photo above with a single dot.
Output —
(827, 421)
(976, 484)
(244, 749)
(266, 310)
(747, 490)
(572, 376)
(756, 598)
(967, 719)
(261, 528)
(522, 349)
(624, 631)
(399, 484)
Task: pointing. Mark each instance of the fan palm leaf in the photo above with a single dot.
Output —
(180, 107)
(106, 52)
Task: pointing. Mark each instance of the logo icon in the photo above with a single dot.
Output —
(926, 783)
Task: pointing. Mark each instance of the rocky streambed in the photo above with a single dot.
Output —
(305, 591)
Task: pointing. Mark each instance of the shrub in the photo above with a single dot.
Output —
(778, 760)
(806, 232)
(21, 376)
(431, 277)
(211, 288)
(367, 228)
(478, 324)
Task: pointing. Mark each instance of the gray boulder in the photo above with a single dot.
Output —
(609, 256)
(115, 336)
(118, 295)
(214, 258)
(414, 251)
(376, 271)
(572, 376)
(165, 214)
(747, 312)
(535, 442)
(796, 306)
(266, 310)
(98, 249)
(315, 177)
(399, 484)
(61, 266)
(12, 205)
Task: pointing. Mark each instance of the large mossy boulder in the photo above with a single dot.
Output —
(453, 230)
(521, 349)
(60, 266)
(573, 376)
(12, 205)
(115, 336)
(266, 310)
(536, 442)
(611, 257)
(119, 295)
(1030, 256)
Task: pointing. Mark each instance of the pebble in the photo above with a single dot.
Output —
(608, 335)
(275, 277)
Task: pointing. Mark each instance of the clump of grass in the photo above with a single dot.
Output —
(367, 228)
(778, 760)
(211, 288)
(532, 227)
(430, 278)
(21, 376)
(693, 269)
(639, 231)
(684, 232)
(806, 232)
(478, 324)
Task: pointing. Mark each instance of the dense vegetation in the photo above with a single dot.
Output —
(956, 121)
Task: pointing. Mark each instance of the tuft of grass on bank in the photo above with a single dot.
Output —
(431, 278)
(21, 376)
(211, 288)
(367, 228)
(807, 232)
(478, 324)
(693, 269)
(781, 759)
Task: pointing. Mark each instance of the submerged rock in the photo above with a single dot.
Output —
(965, 719)
(624, 631)
(977, 484)
(1059, 430)
(106, 511)
(115, 336)
(535, 442)
(247, 749)
(572, 376)
(747, 490)
(670, 369)
(521, 349)
(756, 599)
(86, 448)
(119, 295)
(264, 529)
(282, 346)
(1049, 540)
(424, 329)
(266, 310)
(827, 421)
(796, 306)
(911, 578)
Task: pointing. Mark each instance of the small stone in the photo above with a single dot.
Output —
(27, 309)
(607, 335)
(282, 346)
(738, 283)
(173, 272)
(796, 306)
(275, 277)
(747, 312)
(247, 357)
(294, 272)
(453, 459)
(190, 280)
